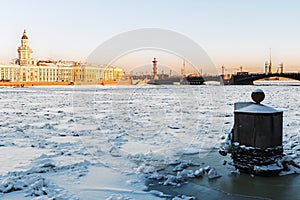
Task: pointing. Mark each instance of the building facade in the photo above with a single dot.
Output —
(27, 69)
(55, 73)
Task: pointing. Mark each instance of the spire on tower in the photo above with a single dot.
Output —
(270, 63)
(24, 35)
(183, 68)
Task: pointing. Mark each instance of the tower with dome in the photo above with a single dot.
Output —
(24, 52)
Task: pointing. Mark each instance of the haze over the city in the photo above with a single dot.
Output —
(233, 33)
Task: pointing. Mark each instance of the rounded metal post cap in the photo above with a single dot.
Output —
(258, 96)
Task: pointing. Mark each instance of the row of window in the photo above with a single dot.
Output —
(16, 73)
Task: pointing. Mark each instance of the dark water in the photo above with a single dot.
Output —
(231, 185)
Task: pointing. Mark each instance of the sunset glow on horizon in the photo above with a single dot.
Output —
(233, 33)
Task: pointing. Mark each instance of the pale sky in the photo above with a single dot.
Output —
(232, 33)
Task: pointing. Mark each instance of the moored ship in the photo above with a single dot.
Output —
(189, 80)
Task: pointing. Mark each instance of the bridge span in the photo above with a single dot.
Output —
(247, 79)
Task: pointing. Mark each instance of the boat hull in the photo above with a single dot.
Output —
(178, 81)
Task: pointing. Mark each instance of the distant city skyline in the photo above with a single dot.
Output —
(233, 33)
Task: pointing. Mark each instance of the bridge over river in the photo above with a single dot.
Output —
(247, 79)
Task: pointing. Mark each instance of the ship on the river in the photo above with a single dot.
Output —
(189, 80)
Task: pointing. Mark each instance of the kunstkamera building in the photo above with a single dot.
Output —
(25, 69)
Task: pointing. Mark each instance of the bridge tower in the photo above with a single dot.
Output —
(281, 68)
(223, 70)
(266, 67)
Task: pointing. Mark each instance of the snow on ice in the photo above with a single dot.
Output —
(86, 142)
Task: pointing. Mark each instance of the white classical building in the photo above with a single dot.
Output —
(27, 69)
(49, 73)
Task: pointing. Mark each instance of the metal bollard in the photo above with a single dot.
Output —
(255, 143)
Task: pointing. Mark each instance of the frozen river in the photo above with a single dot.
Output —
(101, 142)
